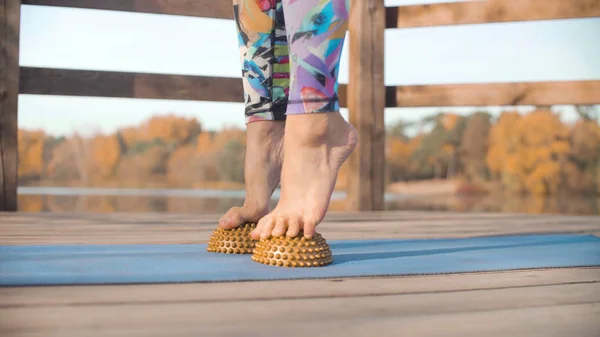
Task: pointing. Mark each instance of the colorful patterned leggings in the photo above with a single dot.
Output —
(290, 54)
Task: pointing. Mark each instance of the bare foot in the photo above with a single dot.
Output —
(315, 147)
(264, 157)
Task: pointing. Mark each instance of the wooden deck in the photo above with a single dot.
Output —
(550, 302)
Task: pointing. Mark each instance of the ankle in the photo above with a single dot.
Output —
(266, 128)
(264, 131)
(264, 140)
(315, 129)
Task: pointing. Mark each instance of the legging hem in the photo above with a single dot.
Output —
(309, 106)
(265, 116)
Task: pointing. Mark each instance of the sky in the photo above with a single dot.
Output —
(68, 38)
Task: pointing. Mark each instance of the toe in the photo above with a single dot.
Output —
(267, 228)
(232, 219)
(280, 228)
(238, 216)
(256, 232)
(294, 226)
(309, 228)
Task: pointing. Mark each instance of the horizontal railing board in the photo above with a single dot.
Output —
(490, 11)
(200, 8)
(469, 12)
(499, 94)
(69, 82)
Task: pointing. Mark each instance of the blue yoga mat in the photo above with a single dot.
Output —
(122, 264)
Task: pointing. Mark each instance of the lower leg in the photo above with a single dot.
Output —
(264, 156)
(317, 138)
(263, 49)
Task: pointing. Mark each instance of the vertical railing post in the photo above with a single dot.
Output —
(10, 11)
(366, 104)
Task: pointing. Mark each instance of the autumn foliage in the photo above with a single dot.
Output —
(164, 151)
(534, 153)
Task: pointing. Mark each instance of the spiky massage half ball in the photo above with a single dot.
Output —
(232, 241)
(293, 252)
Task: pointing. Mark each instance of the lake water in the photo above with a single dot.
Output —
(103, 200)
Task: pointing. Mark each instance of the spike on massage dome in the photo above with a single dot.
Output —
(232, 241)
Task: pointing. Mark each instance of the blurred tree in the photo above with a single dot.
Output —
(204, 143)
(106, 153)
(588, 112)
(230, 161)
(398, 130)
(62, 163)
(530, 153)
(399, 165)
(429, 153)
(544, 152)
(450, 120)
(31, 154)
(222, 138)
(80, 148)
(170, 128)
(502, 158)
(145, 164)
(128, 137)
(440, 147)
(187, 167)
(455, 126)
(585, 155)
(474, 145)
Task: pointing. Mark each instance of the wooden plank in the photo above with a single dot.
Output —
(555, 321)
(199, 8)
(552, 321)
(396, 17)
(490, 11)
(41, 81)
(292, 314)
(390, 97)
(124, 228)
(280, 290)
(391, 17)
(333, 216)
(498, 94)
(9, 93)
(68, 82)
(366, 103)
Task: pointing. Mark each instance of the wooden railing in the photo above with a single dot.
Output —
(366, 95)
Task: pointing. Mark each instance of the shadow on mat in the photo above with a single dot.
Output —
(351, 257)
